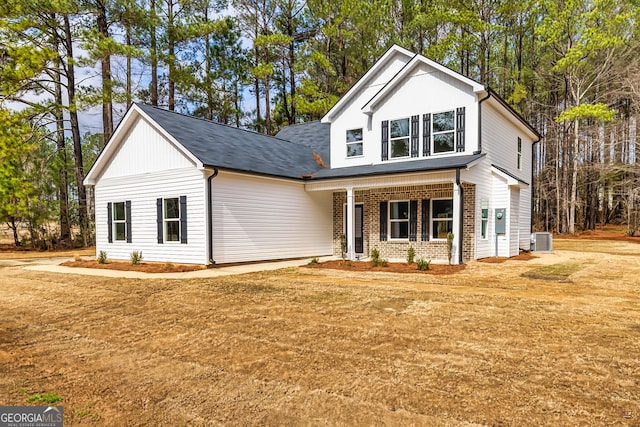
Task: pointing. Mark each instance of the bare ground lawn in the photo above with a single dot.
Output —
(554, 340)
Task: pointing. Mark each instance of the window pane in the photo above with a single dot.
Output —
(120, 233)
(354, 149)
(443, 142)
(485, 213)
(400, 230)
(443, 121)
(484, 228)
(399, 210)
(118, 211)
(171, 208)
(443, 209)
(173, 231)
(400, 148)
(442, 228)
(399, 128)
(354, 135)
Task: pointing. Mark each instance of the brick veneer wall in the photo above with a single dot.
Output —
(433, 250)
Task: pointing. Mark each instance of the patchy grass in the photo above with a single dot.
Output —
(48, 398)
(312, 346)
(554, 272)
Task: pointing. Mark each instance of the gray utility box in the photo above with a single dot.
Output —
(541, 242)
(501, 218)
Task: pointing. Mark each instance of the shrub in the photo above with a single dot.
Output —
(411, 254)
(77, 257)
(423, 264)
(376, 260)
(136, 257)
(314, 261)
(102, 257)
(343, 245)
(449, 246)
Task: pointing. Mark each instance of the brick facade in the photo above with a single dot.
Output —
(430, 250)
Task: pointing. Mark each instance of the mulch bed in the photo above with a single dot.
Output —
(392, 267)
(145, 267)
(524, 256)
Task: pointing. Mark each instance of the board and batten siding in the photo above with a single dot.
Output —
(143, 190)
(264, 219)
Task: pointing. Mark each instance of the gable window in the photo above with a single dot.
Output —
(443, 132)
(172, 219)
(119, 221)
(354, 142)
(519, 153)
(442, 218)
(399, 220)
(399, 140)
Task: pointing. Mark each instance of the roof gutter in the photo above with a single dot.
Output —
(210, 214)
(461, 222)
(480, 119)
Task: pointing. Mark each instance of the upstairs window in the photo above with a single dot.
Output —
(399, 140)
(519, 159)
(354, 142)
(442, 218)
(443, 131)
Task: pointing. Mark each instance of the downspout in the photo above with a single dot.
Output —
(461, 223)
(480, 120)
(210, 213)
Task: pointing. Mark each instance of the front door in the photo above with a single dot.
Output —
(358, 227)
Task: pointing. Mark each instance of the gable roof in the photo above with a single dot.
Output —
(315, 135)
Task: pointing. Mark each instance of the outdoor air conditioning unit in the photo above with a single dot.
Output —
(541, 242)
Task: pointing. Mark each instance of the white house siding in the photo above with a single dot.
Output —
(514, 221)
(501, 199)
(144, 150)
(480, 175)
(143, 190)
(261, 219)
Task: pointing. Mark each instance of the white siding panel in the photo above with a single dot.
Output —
(525, 218)
(480, 175)
(144, 150)
(514, 222)
(501, 200)
(143, 190)
(261, 219)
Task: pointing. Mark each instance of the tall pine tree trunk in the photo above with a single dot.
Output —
(61, 154)
(153, 47)
(171, 33)
(105, 62)
(574, 178)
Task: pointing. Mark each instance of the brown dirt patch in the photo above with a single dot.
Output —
(523, 256)
(391, 267)
(11, 252)
(146, 267)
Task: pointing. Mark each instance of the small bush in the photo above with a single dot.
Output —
(102, 257)
(376, 260)
(411, 254)
(77, 257)
(314, 261)
(449, 246)
(423, 264)
(343, 245)
(136, 257)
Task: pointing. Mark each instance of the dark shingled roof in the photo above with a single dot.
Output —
(314, 135)
(228, 147)
(423, 165)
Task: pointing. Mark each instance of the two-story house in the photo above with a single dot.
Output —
(412, 153)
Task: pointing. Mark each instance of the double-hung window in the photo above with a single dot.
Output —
(442, 218)
(443, 131)
(519, 161)
(399, 219)
(485, 218)
(119, 221)
(172, 219)
(354, 143)
(399, 138)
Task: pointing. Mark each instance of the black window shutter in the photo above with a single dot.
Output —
(385, 140)
(127, 206)
(159, 220)
(109, 223)
(425, 219)
(426, 134)
(415, 135)
(183, 219)
(460, 130)
(413, 220)
(383, 221)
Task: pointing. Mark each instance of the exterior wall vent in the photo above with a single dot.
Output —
(541, 242)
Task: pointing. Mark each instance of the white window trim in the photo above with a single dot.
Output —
(431, 219)
(408, 138)
(484, 204)
(433, 134)
(361, 142)
(390, 221)
(166, 220)
(115, 221)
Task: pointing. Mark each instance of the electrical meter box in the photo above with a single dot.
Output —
(501, 217)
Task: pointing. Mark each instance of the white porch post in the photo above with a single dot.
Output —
(350, 233)
(456, 224)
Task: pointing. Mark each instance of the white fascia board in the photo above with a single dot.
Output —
(116, 139)
(382, 62)
(511, 181)
(369, 107)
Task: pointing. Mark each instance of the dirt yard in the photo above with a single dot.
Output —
(554, 340)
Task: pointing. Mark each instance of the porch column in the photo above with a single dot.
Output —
(350, 228)
(457, 206)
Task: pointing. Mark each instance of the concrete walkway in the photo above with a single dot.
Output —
(52, 265)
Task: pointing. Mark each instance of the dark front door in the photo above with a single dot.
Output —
(358, 227)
